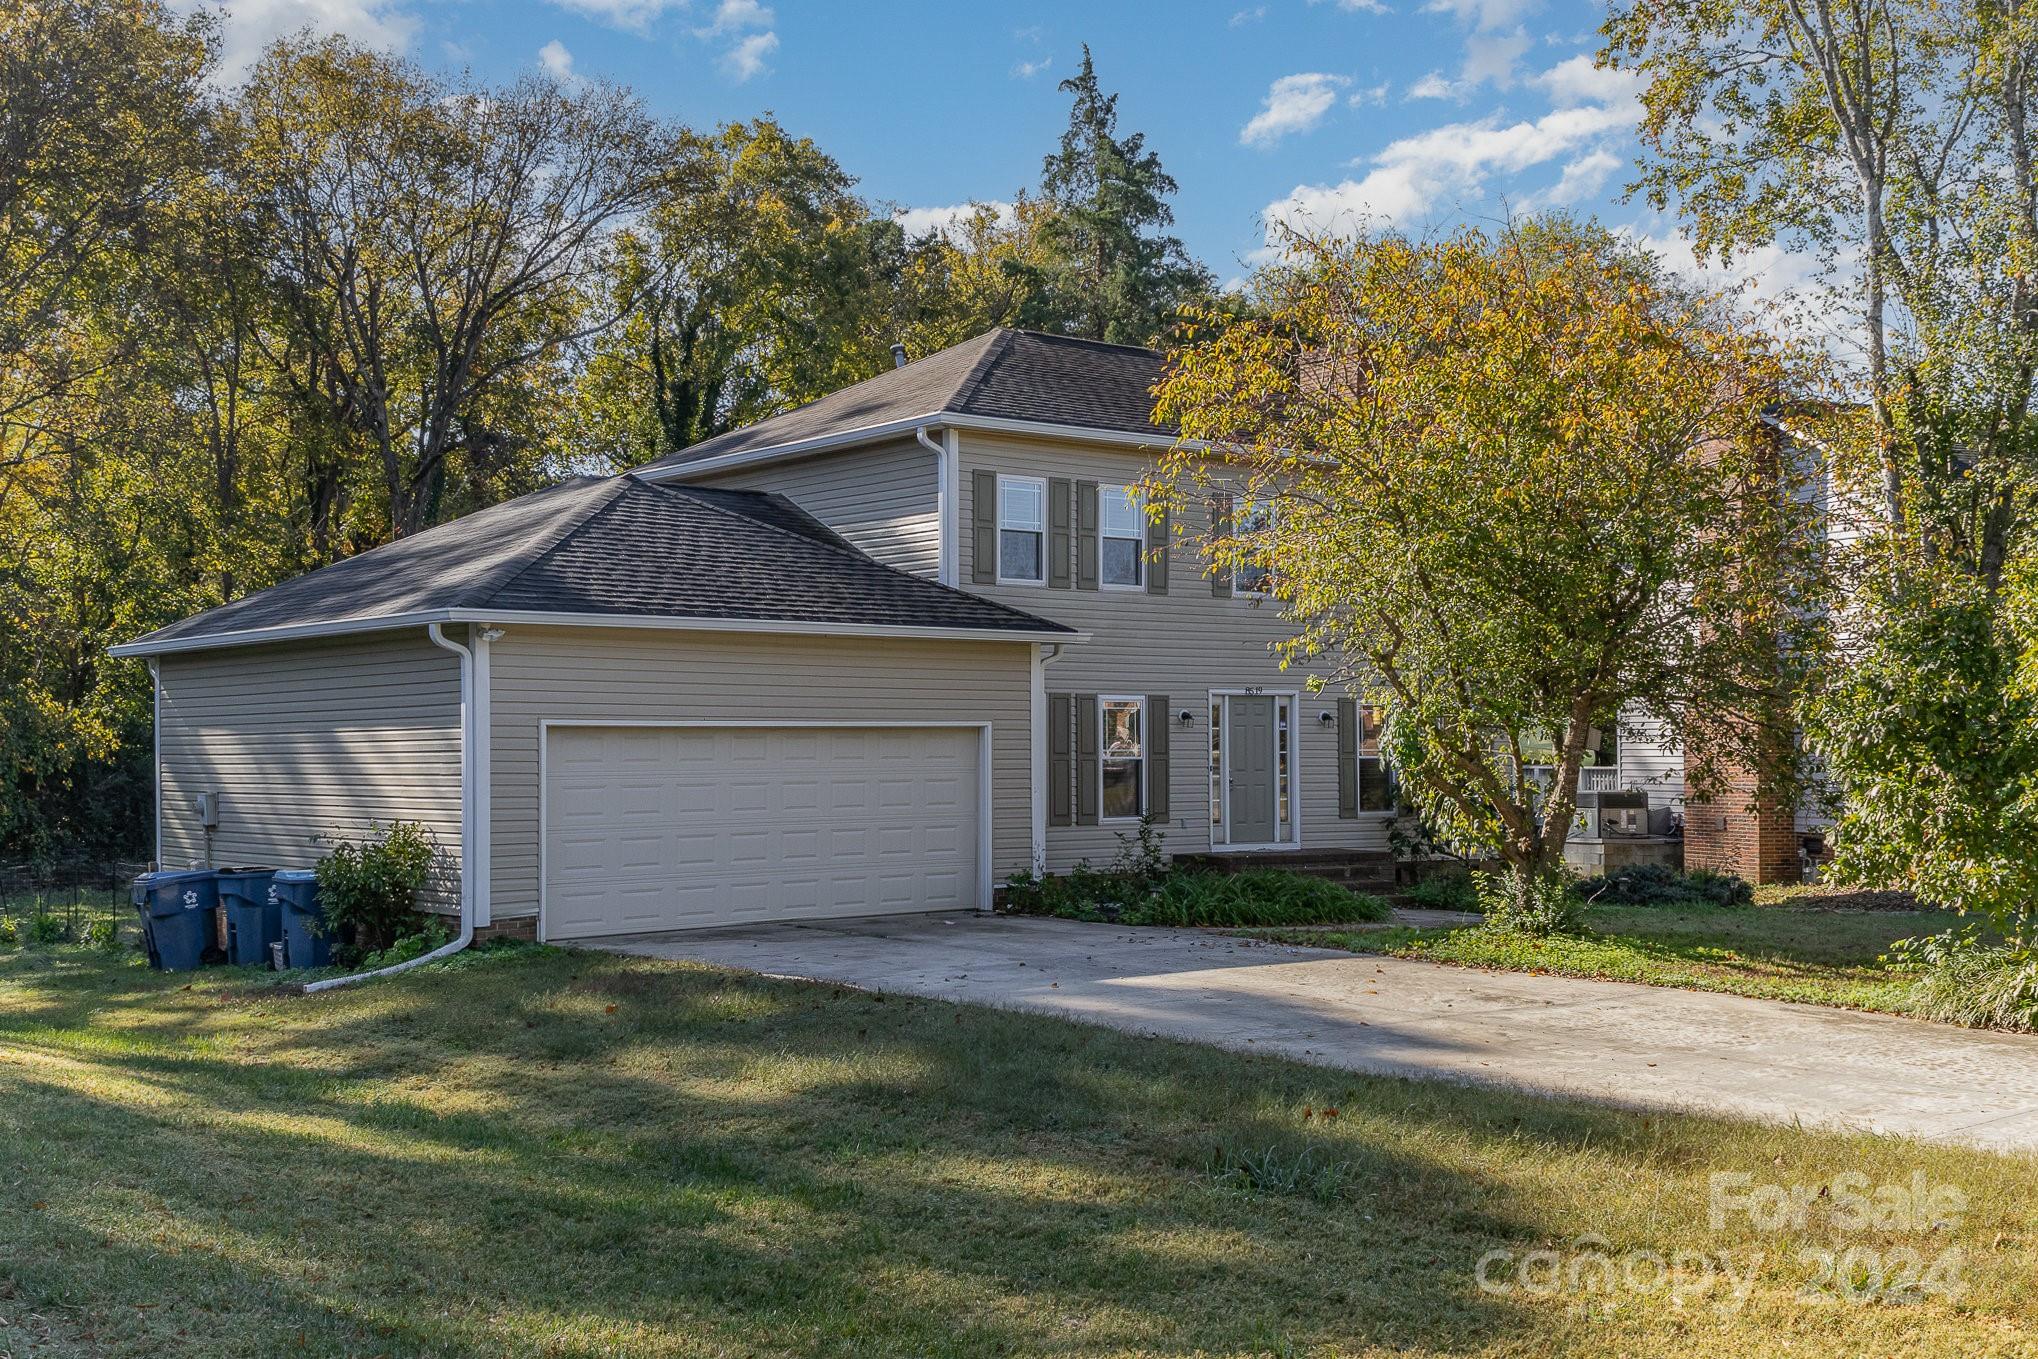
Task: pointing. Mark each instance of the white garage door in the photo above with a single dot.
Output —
(666, 828)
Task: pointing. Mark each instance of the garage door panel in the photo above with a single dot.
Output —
(655, 828)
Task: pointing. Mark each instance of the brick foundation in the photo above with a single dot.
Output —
(523, 927)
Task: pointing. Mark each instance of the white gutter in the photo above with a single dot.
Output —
(947, 420)
(504, 617)
(470, 835)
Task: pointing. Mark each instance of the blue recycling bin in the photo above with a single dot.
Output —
(304, 939)
(254, 914)
(176, 911)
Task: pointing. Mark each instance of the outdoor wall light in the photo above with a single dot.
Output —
(1329, 719)
(1187, 718)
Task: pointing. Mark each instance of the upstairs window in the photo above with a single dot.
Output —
(1252, 575)
(1123, 762)
(1022, 530)
(1122, 553)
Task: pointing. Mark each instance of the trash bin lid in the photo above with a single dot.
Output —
(296, 875)
(174, 875)
(245, 872)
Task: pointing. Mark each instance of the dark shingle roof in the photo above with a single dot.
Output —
(623, 547)
(1007, 374)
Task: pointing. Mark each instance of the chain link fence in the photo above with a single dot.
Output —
(64, 901)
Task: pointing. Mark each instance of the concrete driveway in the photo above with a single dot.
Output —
(1641, 1046)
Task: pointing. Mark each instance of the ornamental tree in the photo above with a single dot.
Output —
(1513, 487)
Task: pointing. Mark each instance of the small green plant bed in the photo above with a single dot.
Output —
(1445, 889)
(1659, 885)
(1257, 897)
(1809, 956)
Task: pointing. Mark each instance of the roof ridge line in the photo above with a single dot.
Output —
(488, 590)
(847, 549)
(959, 398)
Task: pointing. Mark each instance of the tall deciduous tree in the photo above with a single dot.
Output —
(760, 274)
(1115, 273)
(1894, 140)
(433, 244)
(1513, 485)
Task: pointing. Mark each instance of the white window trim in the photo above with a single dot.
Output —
(1046, 538)
(1239, 591)
(1145, 758)
(1223, 773)
(1137, 497)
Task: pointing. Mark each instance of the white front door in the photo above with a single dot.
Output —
(663, 828)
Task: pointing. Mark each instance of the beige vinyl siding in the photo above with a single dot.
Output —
(1183, 644)
(883, 499)
(624, 675)
(307, 740)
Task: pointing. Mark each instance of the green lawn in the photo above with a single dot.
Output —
(1801, 945)
(538, 1153)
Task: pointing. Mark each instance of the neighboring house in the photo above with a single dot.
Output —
(874, 654)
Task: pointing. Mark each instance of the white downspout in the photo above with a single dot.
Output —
(1044, 655)
(156, 729)
(946, 501)
(469, 878)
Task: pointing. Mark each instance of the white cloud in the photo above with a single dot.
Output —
(737, 16)
(1248, 16)
(1294, 103)
(1432, 86)
(249, 26)
(1577, 81)
(751, 49)
(921, 221)
(1371, 97)
(1415, 174)
(635, 15)
(1490, 59)
(1361, 6)
(558, 62)
(747, 58)
(1026, 70)
(1583, 178)
(1482, 14)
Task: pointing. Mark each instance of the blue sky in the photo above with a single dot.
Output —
(1419, 111)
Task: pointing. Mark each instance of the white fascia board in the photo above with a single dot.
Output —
(340, 627)
(819, 443)
(796, 629)
(987, 424)
(393, 622)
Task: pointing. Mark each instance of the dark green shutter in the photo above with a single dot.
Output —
(1347, 759)
(1061, 760)
(1087, 772)
(1158, 728)
(1086, 535)
(1220, 527)
(1157, 555)
(983, 567)
(1060, 529)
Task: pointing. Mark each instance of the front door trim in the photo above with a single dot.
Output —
(1294, 697)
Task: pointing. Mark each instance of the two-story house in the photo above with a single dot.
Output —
(874, 654)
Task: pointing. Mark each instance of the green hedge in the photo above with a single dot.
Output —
(1255, 897)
